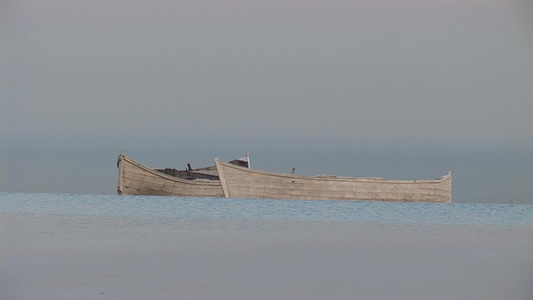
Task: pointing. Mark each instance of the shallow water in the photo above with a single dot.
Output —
(67, 246)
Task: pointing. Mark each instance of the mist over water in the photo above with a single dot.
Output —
(482, 172)
(393, 89)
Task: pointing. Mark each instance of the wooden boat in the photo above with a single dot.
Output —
(236, 180)
(137, 179)
(239, 182)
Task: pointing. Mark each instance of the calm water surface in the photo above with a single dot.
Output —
(71, 246)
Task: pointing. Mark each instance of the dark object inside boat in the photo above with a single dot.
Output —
(206, 173)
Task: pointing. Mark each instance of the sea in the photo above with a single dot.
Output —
(65, 234)
(95, 246)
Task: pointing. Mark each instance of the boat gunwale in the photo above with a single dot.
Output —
(336, 178)
(165, 176)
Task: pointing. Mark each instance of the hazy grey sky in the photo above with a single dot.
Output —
(403, 68)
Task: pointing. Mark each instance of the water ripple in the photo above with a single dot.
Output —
(267, 209)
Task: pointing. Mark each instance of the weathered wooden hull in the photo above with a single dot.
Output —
(238, 182)
(137, 179)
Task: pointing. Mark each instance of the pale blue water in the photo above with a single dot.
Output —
(72, 246)
(268, 209)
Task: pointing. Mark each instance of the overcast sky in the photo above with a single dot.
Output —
(349, 69)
